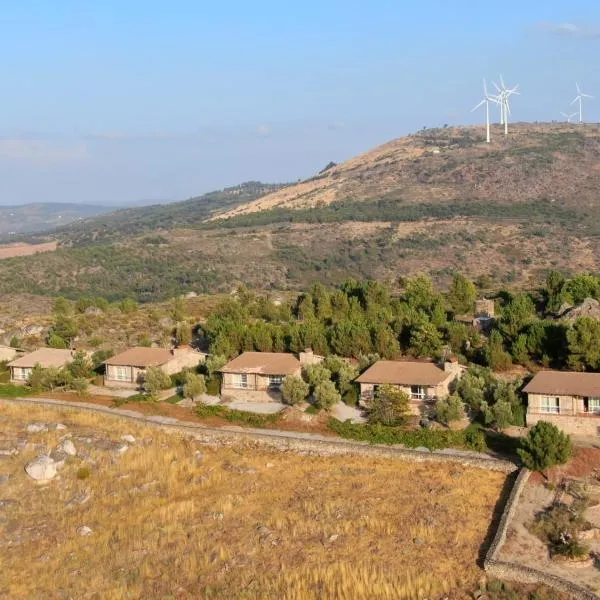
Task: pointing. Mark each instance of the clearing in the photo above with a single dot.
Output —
(10, 250)
(171, 517)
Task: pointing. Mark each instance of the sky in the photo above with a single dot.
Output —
(120, 101)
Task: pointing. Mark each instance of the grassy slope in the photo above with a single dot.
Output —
(511, 211)
(166, 524)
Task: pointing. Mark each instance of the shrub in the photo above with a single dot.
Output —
(83, 473)
(450, 409)
(55, 341)
(99, 357)
(350, 396)
(545, 446)
(294, 390)
(195, 385)
(326, 395)
(15, 342)
(214, 363)
(155, 381)
(317, 374)
(183, 333)
(81, 366)
(128, 306)
(390, 406)
(213, 385)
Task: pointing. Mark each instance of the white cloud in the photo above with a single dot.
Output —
(263, 130)
(42, 151)
(567, 29)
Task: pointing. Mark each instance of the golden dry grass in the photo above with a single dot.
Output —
(245, 521)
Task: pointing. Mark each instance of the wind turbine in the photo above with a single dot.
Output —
(504, 94)
(486, 100)
(579, 98)
(568, 116)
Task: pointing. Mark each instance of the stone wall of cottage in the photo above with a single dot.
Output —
(584, 425)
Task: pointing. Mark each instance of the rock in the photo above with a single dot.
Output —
(37, 427)
(84, 530)
(68, 447)
(122, 449)
(4, 478)
(418, 541)
(78, 499)
(32, 330)
(425, 423)
(333, 538)
(421, 449)
(42, 469)
(264, 533)
(270, 465)
(58, 426)
(198, 456)
(128, 438)
(8, 502)
(9, 451)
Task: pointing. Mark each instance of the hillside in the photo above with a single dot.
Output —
(33, 218)
(193, 211)
(554, 162)
(434, 202)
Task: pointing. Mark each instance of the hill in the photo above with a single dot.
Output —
(193, 211)
(42, 216)
(434, 202)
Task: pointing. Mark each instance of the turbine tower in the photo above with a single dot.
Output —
(568, 116)
(579, 98)
(486, 100)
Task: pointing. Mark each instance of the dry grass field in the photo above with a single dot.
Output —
(10, 250)
(173, 518)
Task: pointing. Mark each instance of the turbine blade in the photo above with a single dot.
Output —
(496, 86)
(576, 99)
(480, 104)
(578, 89)
(502, 83)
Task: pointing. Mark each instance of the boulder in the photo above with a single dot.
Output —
(128, 438)
(67, 447)
(41, 469)
(37, 427)
(32, 329)
(84, 530)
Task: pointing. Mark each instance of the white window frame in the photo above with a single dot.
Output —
(240, 381)
(594, 405)
(122, 373)
(421, 394)
(275, 381)
(21, 373)
(550, 405)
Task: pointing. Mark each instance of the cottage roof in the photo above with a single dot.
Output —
(140, 357)
(403, 372)
(263, 363)
(564, 383)
(45, 357)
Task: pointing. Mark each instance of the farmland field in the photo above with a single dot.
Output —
(171, 517)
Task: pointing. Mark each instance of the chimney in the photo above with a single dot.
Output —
(451, 365)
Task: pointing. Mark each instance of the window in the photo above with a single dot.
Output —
(122, 374)
(593, 405)
(21, 374)
(240, 381)
(417, 392)
(550, 405)
(275, 381)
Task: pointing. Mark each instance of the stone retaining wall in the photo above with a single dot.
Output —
(520, 573)
(283, 440)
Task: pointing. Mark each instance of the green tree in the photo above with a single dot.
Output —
(496, 357)
(351, 337)
(128, 306)
(519, 350)
(55, 341)
(385, 342)
(294, 390)
(178, 309)
(15, 342)
(64, 327)
(462, 295)
(183, 333)
(584, 344)
(426, 340)
(62, 306)
(316, 374)
(214, 363)
(389, 406)
(499, 415)
(582, 286)
(449, 409)
(326, 395)
(342, 372)
(156, 380)
(517, 314)
(194, 386)
(420, 294)
(81, 366)
(545, 446)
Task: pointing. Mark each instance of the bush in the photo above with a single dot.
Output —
(390, 406)
(294, 390)
(350, 396)
(326, 395)
(450, 409)
(195, 386)
(15, 342)
(213, 385)
(317, 374)
(155, 381)
(214, 363)
(434, 439)
(545, 446)
(81, 366)
(99, 357)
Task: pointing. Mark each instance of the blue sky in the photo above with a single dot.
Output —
(116, 101)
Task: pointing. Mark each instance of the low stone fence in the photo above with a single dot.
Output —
(520, 573)
(283, 440)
